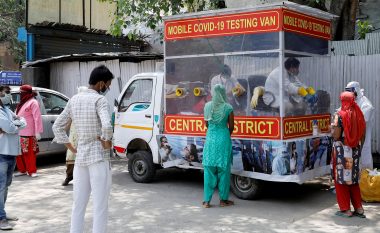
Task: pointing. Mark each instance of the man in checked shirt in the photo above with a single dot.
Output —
(88, 111)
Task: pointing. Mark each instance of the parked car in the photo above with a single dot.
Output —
(52, 104)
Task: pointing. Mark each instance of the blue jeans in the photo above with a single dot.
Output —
(7, 166)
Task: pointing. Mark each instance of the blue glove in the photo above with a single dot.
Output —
(311, 99)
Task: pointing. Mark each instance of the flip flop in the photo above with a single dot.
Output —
(360, 215)
(345, 214)
(226, 203)
(206, 204)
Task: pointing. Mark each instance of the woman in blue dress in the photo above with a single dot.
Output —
(217, 153)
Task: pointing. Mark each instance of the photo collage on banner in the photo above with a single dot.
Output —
(268, 157)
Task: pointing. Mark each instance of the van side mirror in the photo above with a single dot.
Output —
(116, 103)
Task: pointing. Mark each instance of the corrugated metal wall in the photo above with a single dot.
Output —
(355, 47)
(65, 77)
(364, 69)
(370, 45)
(340, 70)
(48, 46)
(373, 43)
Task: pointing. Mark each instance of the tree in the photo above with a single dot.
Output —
(12, 16)
(344, 26)
(150, 12)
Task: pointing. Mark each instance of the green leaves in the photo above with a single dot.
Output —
(364, 27)
(12, 13)
(132, 13)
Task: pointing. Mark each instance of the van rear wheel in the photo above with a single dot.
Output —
(141, 167)
(245, 188)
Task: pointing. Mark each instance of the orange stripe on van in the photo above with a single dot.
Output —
(136, 127)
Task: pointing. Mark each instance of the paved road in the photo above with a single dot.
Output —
(173, 204)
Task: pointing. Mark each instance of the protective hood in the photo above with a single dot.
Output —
(356, 87)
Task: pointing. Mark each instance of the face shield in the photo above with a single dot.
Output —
(354, 87)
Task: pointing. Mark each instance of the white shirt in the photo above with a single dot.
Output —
(89, 113)
(290, 85)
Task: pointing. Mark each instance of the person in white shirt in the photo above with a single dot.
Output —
(88, 111)
(233, 88)
(368, 111)
(295, 93)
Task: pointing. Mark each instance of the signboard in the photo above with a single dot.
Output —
(232, 24)
(303, 125)
(245, 126)
(248, 23)
(11, 78)
(305, 24)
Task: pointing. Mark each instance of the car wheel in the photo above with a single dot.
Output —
(141, 167)
(245, 188)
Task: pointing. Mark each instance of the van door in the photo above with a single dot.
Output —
(134, 116)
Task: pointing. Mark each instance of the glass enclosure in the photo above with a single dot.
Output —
(190, 81)
(279, 72)
(306, 90)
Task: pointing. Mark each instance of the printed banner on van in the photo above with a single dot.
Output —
(245, 127)
(233, 24)
(305, 24)
(272, 160)
(303, 125)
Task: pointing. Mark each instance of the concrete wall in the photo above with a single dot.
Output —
(97, 14)
(245, 3)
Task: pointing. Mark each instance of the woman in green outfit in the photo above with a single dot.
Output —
(217, 151)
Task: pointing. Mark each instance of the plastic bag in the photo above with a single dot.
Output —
(369, 186)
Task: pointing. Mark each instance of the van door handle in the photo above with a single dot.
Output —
(148, 116)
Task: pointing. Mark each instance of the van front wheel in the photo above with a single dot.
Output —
(245, 188)
(141, 167)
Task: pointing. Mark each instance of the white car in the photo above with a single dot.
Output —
(52, 104)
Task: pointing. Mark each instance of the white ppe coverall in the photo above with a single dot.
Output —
(368, 112)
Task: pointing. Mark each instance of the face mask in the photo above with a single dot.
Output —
(7, 99)
(184, 153)
(104, 90)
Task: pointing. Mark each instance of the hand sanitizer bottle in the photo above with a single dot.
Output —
(315, 127)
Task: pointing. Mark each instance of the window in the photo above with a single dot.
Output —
(138, 96)
(54, 104)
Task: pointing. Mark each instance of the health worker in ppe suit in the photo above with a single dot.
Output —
(368, 112)
(296, 94)
(233, 88)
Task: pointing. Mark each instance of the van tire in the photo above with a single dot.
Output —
(141, 167)
(245, 188)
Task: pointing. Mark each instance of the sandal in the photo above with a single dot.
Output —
(206, 204)
(345, 214)
(356, 213)
(226, 203)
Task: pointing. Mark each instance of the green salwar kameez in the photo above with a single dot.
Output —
(217, 154)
